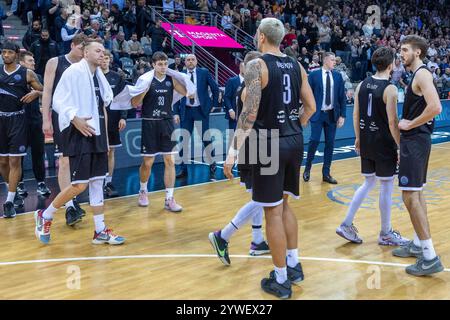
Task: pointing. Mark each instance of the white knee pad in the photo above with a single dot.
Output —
(96, 193)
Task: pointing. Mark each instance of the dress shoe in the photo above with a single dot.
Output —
(329, 179)
(212, 171)
(182, 173)
(306, 176)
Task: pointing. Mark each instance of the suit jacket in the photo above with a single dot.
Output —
(229, 96)
(339, 98)
(203, 81)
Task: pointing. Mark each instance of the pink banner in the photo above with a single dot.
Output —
(203, 36)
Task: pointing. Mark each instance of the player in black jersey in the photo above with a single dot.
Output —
(157, 129)
(377, 135)
(35, 137)
(15, 81)
(274, 85)
(251, 210)
(53, 71)
(420, 107)
(117, 121)
(80, 99)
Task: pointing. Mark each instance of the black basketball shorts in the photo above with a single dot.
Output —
(269, 188)
(414, 156)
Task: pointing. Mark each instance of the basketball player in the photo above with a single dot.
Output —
(157, 129)
(377, 135)
(117, 121)
(421, 105)
(53, 71)
(221, 238)
(275, 83)
(15, 81)
(80, 98)
(35, 136)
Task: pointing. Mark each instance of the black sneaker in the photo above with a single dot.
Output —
(220, 246)
(21, 190)
(43, 190)
(295, 275)
(110, 191)
(8, 210)
(72, 216)
(18, 201)
(270, 285)
(81, 212)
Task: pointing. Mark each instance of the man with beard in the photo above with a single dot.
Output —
(43, 50)
(14, 93)
(33, 34)
(421, 105)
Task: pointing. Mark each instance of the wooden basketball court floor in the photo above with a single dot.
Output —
(168, 256)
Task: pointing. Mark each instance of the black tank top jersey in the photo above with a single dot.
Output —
(280, 100)
(157, 102)
(116, 82)
(413, 107)
(98, 96)
(376, 140)
(63, 64)
(12, 88)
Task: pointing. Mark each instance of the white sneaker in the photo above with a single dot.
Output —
(143, 198)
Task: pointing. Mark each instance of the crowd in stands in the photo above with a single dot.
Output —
(351, 29)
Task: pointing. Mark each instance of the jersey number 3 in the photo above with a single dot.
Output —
(287, 91)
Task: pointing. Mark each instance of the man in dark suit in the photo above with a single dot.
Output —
(197, 107)
(229, 97)
(329, 93)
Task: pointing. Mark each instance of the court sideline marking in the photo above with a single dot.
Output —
(191, 256)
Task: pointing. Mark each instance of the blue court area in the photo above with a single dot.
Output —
(126, 175)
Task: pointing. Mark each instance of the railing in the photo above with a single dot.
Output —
(211, 19)
(221, 73)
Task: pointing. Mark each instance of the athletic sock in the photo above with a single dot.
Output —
(11, 196)
(169, 193)
(358, 198)
(228, 231)
(281, 275)
(428, 249)
(108, 179)
(385, 203)
(292, 257)
(416, 240)
(99, 221)
(69, 204)
(143, 186)
(49, 212)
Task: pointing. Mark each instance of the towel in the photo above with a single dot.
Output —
(123, 100)
(75, 95)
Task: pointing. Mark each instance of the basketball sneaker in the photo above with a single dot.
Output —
(392, 238)
(270, 285)
(8, 210)
(259, 249)
(19, 201)
(424, 267)
(171, 205)
(21, 190)
(110, 191)
(81, 211)
(349, 233)
(42, 229)
(72, 216)
(43, 190)
(220, 246)
(295, 274)
(408, 250)
(143, 198)
(107, 236)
